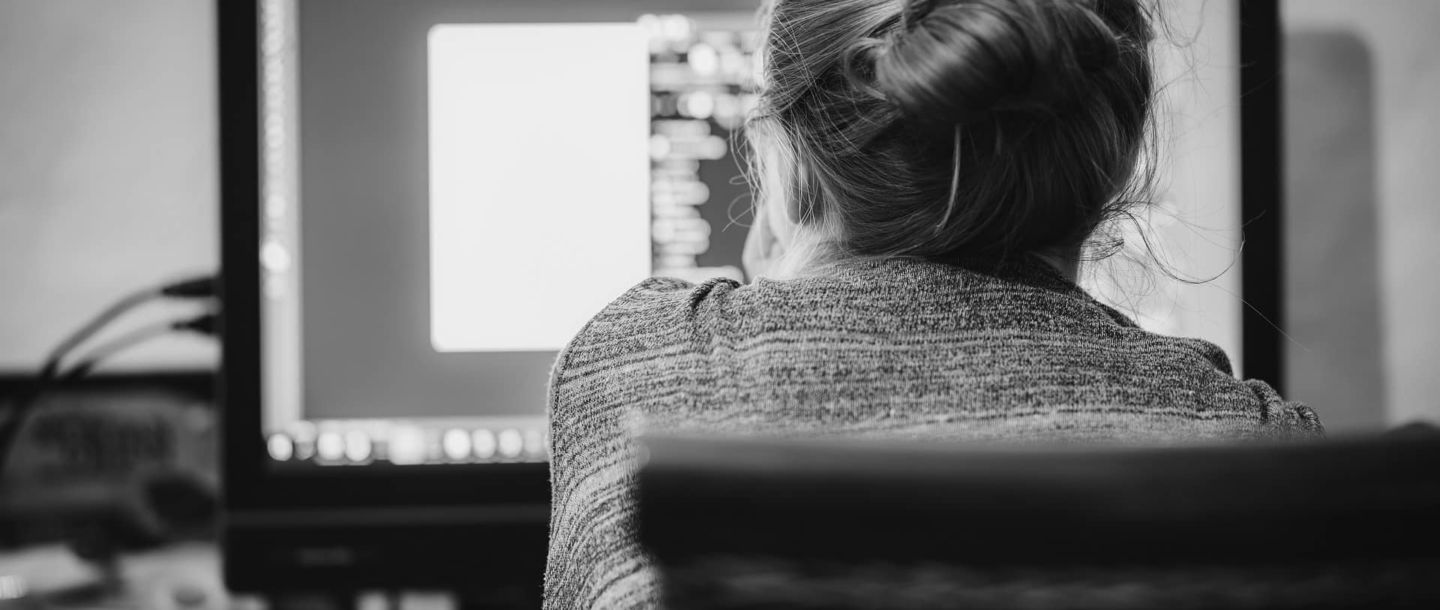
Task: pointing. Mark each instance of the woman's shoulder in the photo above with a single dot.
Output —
(1197, 371)
(655, 317)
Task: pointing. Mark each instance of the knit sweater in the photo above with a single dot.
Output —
(894, 348)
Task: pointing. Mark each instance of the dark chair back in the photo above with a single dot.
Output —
(739, 523)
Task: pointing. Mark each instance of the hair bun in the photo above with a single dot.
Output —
(958, 62)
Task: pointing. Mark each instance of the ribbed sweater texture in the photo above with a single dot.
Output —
(894, 348)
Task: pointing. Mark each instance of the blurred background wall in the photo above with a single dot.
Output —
(1363, 209)
(108, 183)
(107, 166)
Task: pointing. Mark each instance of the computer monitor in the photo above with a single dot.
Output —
(422, 202)
(448, 200)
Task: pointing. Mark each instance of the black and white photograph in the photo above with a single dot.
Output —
(719, 304)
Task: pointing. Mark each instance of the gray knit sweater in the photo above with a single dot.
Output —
(898, 347)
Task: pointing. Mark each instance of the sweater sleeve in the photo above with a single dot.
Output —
(594, 559)
(1285, 417)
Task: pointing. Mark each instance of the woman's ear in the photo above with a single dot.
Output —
(793, 210)
(771, 231)
(761, 244)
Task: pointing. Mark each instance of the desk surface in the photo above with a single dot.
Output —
(184, 576)
(178, 577)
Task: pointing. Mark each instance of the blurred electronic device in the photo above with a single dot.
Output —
(117, 462)
(423, 201)
(111, 465)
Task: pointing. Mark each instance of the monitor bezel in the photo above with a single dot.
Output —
(252, 481)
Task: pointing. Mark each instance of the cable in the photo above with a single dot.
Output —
(104, 318)
(203, 324)
(195, 287)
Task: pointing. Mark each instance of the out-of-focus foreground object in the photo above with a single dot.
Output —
(738, 523)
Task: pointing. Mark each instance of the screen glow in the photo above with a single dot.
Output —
(539, 179)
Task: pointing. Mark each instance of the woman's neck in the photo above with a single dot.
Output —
(806, 254)
(1065, 260)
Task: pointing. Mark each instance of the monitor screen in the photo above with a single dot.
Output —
(452, 189)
